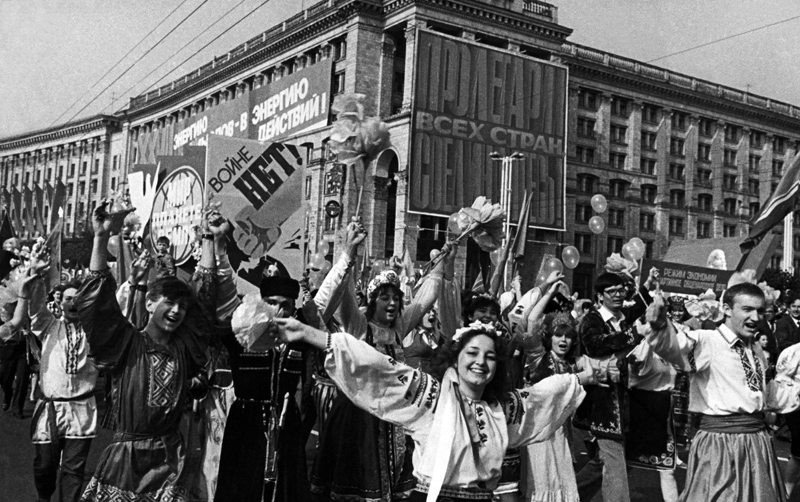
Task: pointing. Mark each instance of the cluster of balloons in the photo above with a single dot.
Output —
(318, 260)
(570, 257)
(596, 223)
(634, 249)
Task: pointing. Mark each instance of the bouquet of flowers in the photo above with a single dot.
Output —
(616, 264)
(705, 307)
(483, 221)
(354, 136)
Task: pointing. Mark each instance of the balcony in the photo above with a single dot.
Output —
(541, 9)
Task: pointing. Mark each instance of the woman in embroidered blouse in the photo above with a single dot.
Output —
(375, 462)
(460, 422)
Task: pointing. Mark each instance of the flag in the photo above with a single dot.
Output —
(38, 216)
(27, 198)
(6, 232)
(54, 243)
(779, 204)
(16, 210)
(57, 202)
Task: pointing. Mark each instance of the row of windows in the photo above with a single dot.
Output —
(621, 107)
(585, 244)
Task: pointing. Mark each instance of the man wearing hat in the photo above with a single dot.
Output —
(262, 447)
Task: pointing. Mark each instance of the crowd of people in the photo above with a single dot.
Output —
(419, 392)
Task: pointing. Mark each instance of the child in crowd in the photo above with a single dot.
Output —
(164, 261)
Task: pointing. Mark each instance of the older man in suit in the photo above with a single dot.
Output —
(787, 328)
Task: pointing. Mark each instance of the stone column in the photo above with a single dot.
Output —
(411, 48)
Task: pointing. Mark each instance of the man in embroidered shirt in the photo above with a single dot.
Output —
(605, 335)
(732, 456)
(65, 419)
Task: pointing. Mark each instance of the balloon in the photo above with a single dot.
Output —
(113, 246)
(553, 265)
(317, 260)
(452, 224)
(434, 253)
(597, 224)
(599, 203)
(571, 257)
(628, 251)
(540, 279)
(326, 267)
(323, 248)
(639, 247)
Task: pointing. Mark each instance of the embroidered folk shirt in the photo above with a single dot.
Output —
(727, 375)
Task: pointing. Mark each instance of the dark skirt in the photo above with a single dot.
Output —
(650, 440)
(361, 458)
(244, 454)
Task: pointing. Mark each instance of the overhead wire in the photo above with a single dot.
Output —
(120, 60)
(125, 93)
(139, 59)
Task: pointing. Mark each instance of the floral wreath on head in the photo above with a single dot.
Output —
(476, 327)
(385, 277)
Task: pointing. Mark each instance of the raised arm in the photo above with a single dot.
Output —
(672, 345)
(428, 292)
(373, 381)
(33, 297)
(338, 284)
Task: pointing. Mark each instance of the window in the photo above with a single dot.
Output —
(679, 121)
(587, 99)
(704, 152)
(676, 147)
(729, 230)
(340, 49)
(676, 172)
(338, 83)
(49, 173)
(83, 167)
(705, 202)
(675, 225)
(113, 183)
(796, 218)
(647, 221)
(94, 186)
(703, 177)
(330, 223)
(587, 183)
(756, 139)
(704, 127)
(777, 168)
(585, 127)
(616, 160)
(619, 106)
(732, 133)
(729, 182)
(584, 154)
(753, 186)
(729, 206)
(778, 145)
(703, 229)
(648, 249)
(114, 161)
(775, 261)
(617, 188)
(650, 114)
(754, 208)
(27, 179)
(72, 170)
(648, 140)
(70, 190)
(616, 218)
(618, 134)
(82, 188)
(308, 187)
(583, 212)
(753, 162)
(69, 210)
(37, 177)
(729, 158)
(614, 245)
(583, 242)
(96, 168)
(648, 194)
(677, 198)
(648, 166)
(61, 172)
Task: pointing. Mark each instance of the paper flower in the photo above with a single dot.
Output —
(770, 293)
(616, 264)
(705, 307)
(484, 222)
(354, 136)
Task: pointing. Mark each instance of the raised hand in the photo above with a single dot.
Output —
(140, 266)
(356, 234)
(105, 223)
(39, 261)
(554, 278)
(656, 313)
(214, 222)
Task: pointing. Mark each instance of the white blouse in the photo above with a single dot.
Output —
(410, 398)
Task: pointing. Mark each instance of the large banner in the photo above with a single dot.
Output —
(293, 104)
(169, 196)
(688, 279)
(259, 187)
(471, 101)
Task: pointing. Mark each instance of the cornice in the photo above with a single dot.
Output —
(58, 132)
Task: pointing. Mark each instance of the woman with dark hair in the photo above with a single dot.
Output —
(460, 419)
(362, 458)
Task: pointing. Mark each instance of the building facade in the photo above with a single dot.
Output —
(677, 157)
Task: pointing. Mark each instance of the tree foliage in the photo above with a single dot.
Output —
(788, 284)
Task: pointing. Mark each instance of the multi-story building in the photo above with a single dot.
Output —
(677, 157)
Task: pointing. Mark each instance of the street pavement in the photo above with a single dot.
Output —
(16, 461)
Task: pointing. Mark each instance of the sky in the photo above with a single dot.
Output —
(53, 53)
